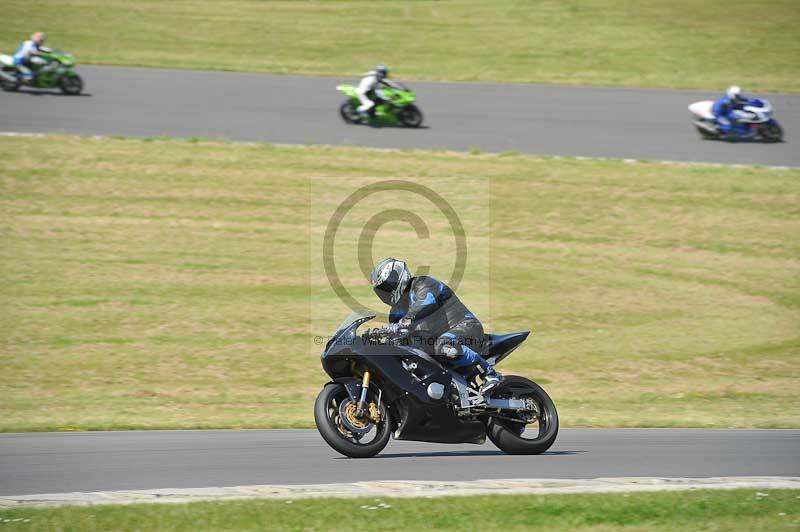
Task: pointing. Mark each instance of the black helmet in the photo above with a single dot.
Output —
(390, 278)
(382, 70)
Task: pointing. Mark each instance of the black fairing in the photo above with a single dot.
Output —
(416, 415)
(499, 346)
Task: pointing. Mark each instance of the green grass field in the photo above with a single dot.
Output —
(650, 43)
(166, 283)
(688, 510)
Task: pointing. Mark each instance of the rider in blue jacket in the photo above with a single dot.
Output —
(727, 107)
(27, 54)
(434, 318)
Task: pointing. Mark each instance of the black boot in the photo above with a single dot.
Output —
(491, 378)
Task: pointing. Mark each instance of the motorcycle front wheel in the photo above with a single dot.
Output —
(772, 132)
(516, 434)
(410, 116)
(71, 84)
(334, 414)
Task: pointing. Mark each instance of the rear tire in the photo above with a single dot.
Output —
(325, 413)
(8, 85)
(349, 112)
(508, 435)
(71, 85)
(410, 116)
(706, 133)
(772, 132)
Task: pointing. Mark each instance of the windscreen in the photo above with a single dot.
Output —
(353, 317)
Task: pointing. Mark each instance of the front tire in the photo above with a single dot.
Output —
(349, 112)
(772, 132)
(410, 116)
(335, 433)
(511, 436)
(71, 85)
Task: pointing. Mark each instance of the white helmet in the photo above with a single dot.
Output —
(734, 93)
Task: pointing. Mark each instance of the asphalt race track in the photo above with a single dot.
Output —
(548, 120)
(90, 461)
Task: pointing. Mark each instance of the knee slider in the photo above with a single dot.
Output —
(448, 348)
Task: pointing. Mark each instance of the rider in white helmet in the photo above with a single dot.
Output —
(367, 87)
(27, 54)
(727, 107)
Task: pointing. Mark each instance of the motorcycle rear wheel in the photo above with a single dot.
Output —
(8, 85)
(349, 112)
(705, 133)
(509, 435)
(333, 430)
(71, 84)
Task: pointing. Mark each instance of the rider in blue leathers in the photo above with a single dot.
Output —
(27, 54)
(727, 108)
(428, 313)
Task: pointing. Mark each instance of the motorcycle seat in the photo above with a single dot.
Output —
(497, 345)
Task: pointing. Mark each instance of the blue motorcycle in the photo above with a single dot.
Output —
(754, 122)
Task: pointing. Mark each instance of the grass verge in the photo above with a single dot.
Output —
(688, 510)
(166, 284)
(648, 43)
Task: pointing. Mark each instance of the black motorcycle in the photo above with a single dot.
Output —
(382, 385)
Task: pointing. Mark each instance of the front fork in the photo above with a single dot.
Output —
(362, 401)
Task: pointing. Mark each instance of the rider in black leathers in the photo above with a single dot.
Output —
(434, 318)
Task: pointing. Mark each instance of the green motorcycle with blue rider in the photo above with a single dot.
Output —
(52, 69)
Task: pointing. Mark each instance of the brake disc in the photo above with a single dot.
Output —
(348, 413)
